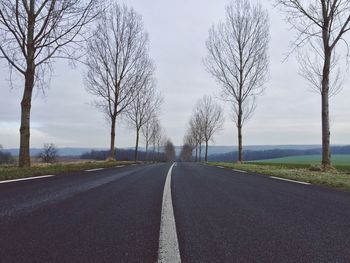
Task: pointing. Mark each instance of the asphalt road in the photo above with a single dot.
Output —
(111, 215)
(114, 215)
(227, 216)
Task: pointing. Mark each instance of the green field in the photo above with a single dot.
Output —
(337, 160)
(339, 178)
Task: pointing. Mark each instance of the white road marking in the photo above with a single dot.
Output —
(24, 179)
(221, 167)
(293, 181)
(120, 166)
(93, 170)
(240, 171)
(168, 243)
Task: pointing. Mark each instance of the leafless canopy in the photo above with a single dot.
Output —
(49, 153)
(38, 31)
(237, 51)
(143, 108)
(237, 57)
(310, 17)
(32, 34)
(118, 62)
(211, 119)
(153, 135)
(320, 25)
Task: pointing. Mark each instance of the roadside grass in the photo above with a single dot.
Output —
(337, 160)
(12, 172)
(339, 178)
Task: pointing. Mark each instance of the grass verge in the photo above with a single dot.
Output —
(336, 179)
(11, 172)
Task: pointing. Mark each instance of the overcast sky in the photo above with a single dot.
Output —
(287, 113)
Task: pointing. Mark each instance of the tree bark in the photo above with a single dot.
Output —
(200, 152)
(326, 155)
(146, 151)
(240, 137)
(158, 154)
(26, 103)
(196, 159)
(112, 147)
(137, 143)
(24, 152)
(206, 151)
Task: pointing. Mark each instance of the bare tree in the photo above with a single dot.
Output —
(196, 132)
(143, 108)
(186, 153)
(237, 58)
(155, 136)
(160, 140)
(190, 140)
(118, 63)
(49, 153)
(211, 119)
(321, 25)
(169, 151)
(147, 134)
(33, 33)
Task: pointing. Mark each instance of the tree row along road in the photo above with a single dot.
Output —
(114, 215)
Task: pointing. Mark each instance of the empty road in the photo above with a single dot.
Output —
(188, 213)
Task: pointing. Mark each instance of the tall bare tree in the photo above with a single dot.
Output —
(211, 117)
(169, 151)
(146, 131)
(237, 58)
(160, 141)
(186, 153)
(196, 132)
(321, 25)
(118, 65)
(143, 108)
(155, 136)
(33, 33)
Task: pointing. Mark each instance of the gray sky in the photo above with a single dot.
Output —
(287, 113)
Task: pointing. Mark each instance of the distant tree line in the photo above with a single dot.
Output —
(274, 153)
(129, 155)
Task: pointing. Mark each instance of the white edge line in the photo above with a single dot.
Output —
(120, 166)
(93, 170)
(25, 179)
(288, 180)
(240, 171)
(168, 243)
(221, 167)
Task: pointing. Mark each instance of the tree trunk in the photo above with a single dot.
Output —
(137, 143)
(26, 103)
(206, 151)
(239, 128)
(112, 146)
(158, 154)
(326, 155)
(146, 157)
(196, 159)
(154, 153)
(200, 152)
(24, 154)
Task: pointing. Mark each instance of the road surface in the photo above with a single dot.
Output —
(208, 214)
